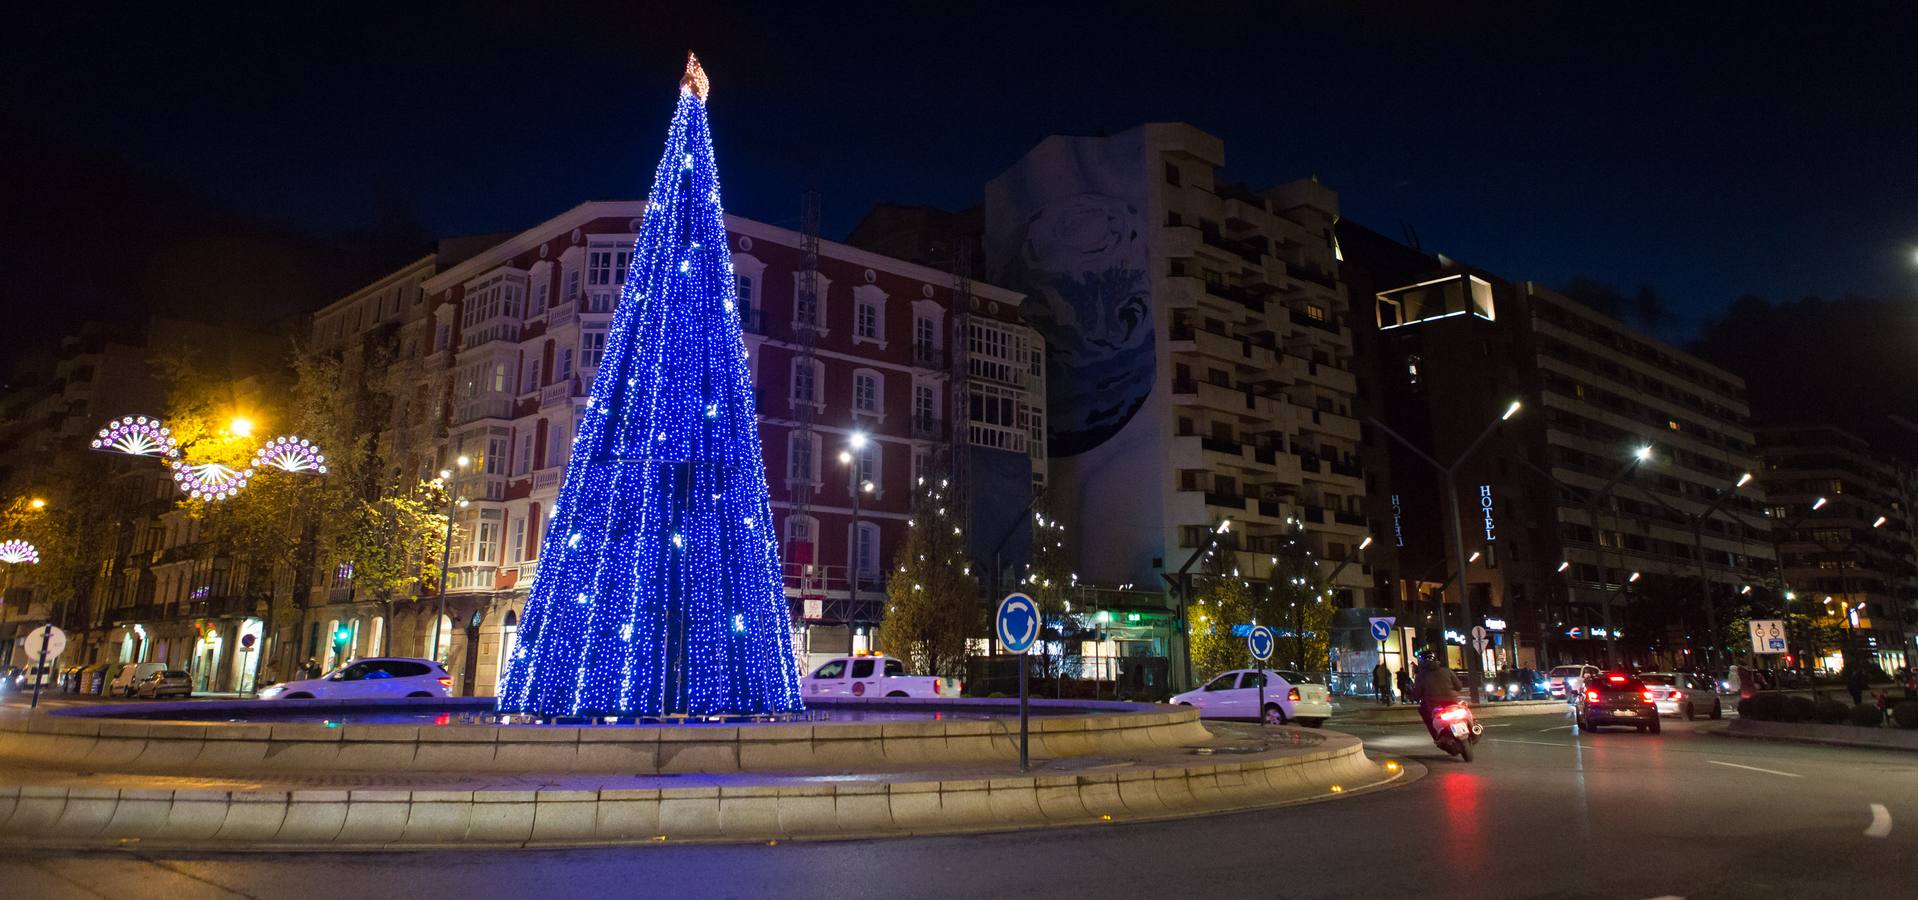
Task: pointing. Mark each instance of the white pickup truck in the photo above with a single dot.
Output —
(874, 676)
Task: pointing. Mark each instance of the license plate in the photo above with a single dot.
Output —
(1625, 713)
(1461, 730)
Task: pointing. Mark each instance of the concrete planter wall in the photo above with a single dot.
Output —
(390, 818)
(99, 742)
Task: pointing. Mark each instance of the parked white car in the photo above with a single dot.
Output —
(130, 676)
(368, 679)
(1235, 695)
(1683, 694)
(874, 676)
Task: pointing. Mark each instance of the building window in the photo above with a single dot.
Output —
(866, 540)
(556, 446)
(516, 551)
(495, 460)
(486, 544)
(1171, 173)
(921, 466)
(606, 267)
(866, 392)
(802, 457)
(1315, 312)
(540, 288)
(572, 285)
(925, 405)
(805, 381)
(592, 343)
(529, 375)
(866, 462)
(565, 363)
(799, 539)
(524, 463)
(743, 287)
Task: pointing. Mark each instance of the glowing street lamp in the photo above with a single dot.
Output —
(241, 426)
(446, 549)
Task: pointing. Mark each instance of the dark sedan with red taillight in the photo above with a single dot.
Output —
(1616, 698)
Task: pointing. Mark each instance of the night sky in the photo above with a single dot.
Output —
(1767, 151)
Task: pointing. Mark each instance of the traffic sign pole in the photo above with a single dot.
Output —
(1018, 625)
(1260, 642)
(40, 672)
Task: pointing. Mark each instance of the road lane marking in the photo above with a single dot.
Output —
(1499, 725)
(1533, 743)
(1754, 769)
(1880, 821)
(1553, 728)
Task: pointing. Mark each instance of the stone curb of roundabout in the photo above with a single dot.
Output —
(1171, 782)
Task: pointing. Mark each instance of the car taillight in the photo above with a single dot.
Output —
(936, 682)
(1591, 696)
(1648, 696)
(446, 682)
(1453, 714)
(1292, 695)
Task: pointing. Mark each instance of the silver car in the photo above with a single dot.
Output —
(1683, 694)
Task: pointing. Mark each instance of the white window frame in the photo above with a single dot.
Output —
(865, 298)
(824, 286)
(590, 351)
(793, 442)
(750, 270)
(818, 393)
(870, 564)
(877, 408)
(800, 528)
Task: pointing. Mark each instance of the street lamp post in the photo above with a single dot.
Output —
(1182, 580)
(856, 486)
(453, 503)
(1591, 515)
(1844, 586)
(1448, 475)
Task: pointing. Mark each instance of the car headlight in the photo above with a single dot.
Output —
(271, 691)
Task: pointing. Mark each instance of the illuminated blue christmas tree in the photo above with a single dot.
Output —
(659, 589)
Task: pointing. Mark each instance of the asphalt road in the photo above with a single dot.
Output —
(1543, 812)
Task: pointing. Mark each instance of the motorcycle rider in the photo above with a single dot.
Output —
(1436, 686)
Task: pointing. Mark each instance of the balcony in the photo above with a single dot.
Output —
(1229, 501)
(556, 394)
(926, 428)
(1246, 297)
(1326, 324)
(928, 356)
(1251, 250)
(1351, 518)
(1221, 445)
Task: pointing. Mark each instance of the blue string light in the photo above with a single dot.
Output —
(659, 589)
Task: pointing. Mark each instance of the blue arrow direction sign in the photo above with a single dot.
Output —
(1381, 627)
(1018, 623)
(1260, 641)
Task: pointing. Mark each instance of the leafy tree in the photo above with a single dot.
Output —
(1223, 599)
(392, 546)
(1049, 581)
(932, 596)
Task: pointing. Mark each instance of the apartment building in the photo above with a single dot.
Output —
(1849, 562)
(509, 338)
(1590, 513)
(1200, 357)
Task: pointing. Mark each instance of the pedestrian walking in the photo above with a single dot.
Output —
(1382, 682)
(1855, 682)
(1405, 684)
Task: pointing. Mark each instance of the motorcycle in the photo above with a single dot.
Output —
(1455, 730)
